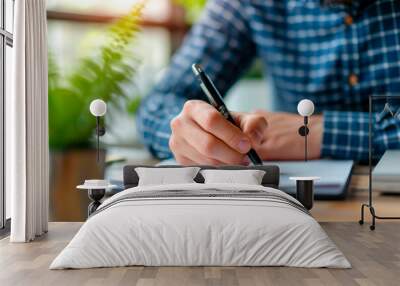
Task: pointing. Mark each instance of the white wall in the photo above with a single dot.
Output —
(249, 95)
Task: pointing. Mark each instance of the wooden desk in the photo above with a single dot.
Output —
(342, 210)
(349, 209)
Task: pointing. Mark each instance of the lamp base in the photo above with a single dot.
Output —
(305, 190)
(95, 195)
(305, 193)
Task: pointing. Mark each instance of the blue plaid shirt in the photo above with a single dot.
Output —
(336, 55)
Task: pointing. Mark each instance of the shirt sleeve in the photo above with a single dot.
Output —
(346, 134)
(221, 42)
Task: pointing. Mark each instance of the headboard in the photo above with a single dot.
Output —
(270, 179)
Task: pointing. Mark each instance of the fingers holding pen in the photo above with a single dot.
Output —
(200, 146)
(253, 125)
(211, 121)
(186, 154)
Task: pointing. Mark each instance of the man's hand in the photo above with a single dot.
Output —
(281, 140)
(201, 135)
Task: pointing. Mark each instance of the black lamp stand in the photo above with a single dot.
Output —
(303, 131)
(305, 185)
(100, 131)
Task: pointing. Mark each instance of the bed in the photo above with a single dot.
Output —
(198, 224)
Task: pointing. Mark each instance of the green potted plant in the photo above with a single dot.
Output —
(101, 75)
(193, 8)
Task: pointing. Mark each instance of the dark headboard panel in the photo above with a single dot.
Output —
(271, 177)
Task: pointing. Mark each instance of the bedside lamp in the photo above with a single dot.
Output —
(96, 188)
(305, 108)
(98, 108)
(305, 185)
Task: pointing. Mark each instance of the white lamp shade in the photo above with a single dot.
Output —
(98, 107)
(305, 107)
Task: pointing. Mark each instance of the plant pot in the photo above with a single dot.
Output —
(68, 169)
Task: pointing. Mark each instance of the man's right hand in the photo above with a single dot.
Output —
(202, 136)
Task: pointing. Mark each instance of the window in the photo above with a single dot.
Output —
(6, 43)
(155, 9)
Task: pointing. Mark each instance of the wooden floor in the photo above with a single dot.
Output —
(374, 255)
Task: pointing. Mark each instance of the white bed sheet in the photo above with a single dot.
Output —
(200, 232)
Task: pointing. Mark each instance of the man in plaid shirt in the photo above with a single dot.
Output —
(334, 52)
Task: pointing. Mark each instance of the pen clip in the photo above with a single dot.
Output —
(209, 96)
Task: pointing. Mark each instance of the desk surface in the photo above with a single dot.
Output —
(349, 209)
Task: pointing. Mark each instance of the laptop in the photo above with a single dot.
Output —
(386, 174)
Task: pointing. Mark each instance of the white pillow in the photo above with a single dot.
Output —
(248, 177)
(165, 176)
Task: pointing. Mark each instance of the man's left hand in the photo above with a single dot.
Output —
(281, 139)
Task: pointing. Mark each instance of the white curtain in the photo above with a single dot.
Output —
(27, 155)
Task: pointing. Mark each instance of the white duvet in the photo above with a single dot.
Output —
(188, 231)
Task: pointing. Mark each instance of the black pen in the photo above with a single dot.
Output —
(215, 99)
